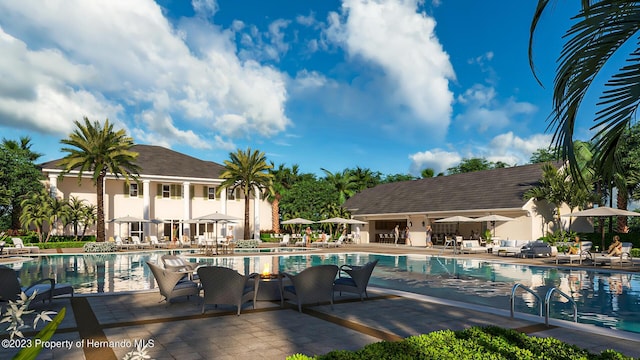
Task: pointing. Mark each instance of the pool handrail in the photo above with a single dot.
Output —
(547, 304)
(525, 288)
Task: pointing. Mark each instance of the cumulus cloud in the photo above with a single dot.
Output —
(483, 111)
(125, 61)
(394, 36)
(437, 159)
(507, 148)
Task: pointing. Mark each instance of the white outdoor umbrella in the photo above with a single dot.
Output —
(493, 219)
(602, 211)
(334, 220)
(216, 218)
(128, 220)
(297, 221)
(456, 219)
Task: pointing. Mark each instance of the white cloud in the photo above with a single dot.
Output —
(436, 159)
(64, 60)
(483, 111)
(507, 147)
(394, 36)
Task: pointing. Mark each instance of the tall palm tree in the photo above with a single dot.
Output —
(247, 171)
(283, 179)
(98, 149)
(600, 30)
(343, 182)
(24, 147)
(553, 188)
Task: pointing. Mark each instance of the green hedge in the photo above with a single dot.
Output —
(61, 245)
(489, 342)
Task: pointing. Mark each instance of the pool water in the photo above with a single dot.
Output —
(604, 298)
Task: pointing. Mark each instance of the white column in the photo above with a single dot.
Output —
(256, 213)
(146, 200)
(223, 201)
(53, 185)
(186, 200)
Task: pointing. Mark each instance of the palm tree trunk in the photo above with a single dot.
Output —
(100, 235)
(622, 204)
(275, 214)
(246, 216)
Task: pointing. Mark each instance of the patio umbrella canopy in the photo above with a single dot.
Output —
(216, 218)
(335, 220)
(297, 221)
(602, 211)
(127, 220)
(456, 219)
(493, 219)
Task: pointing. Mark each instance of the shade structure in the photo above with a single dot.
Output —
(456, 219)
(356, 222)
(127, 220)
(297, 221)
(602, 211)
(493, 218)
(216, 218)
(335, 220)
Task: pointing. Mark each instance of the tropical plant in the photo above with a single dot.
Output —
(553, 188)
(98, 149)
(626, 178)
(19, 176)
(248, 171)
(36, 212)
(283, 179)
(343, 183)
(88, 217)
(364, 178)
(600, 30)
(475, 164)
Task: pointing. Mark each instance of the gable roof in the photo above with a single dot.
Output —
(157, 160)
(490, 189)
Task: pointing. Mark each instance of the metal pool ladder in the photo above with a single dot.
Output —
(547, 301)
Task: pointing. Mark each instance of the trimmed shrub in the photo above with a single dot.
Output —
(489, 342)
(99, 247)
(247, 244)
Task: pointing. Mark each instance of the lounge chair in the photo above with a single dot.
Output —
(153, 240)
(173, 284)
(46, 289)
(357, 279)
(222, 285)
(135, 240)
(285, 240)
(624, 257)
(120, 245)
(584, 253)
(311, 285)
(336, 243)
(20, 248)
(472, 246)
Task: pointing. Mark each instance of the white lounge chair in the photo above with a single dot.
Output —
(153, 240)
(336, 243)
(135, 240)
(20, 248)
(285, 240)
(472, 246)
(584, 253)
(120, 245)
(624, 257)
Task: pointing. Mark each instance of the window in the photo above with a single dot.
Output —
(133, 190)
(211, 192)
(166, 191)
(231, 194)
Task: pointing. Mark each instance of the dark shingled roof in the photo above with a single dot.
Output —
(489, 189)
(156, 160)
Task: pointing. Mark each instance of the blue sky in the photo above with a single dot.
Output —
(391, 85)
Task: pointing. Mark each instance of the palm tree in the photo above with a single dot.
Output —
(247, 171)
(24, 147)
(283, 179)
(601, 29)
(76, 213)
(89, 217)
(553, 188)
(36, 212)
(100, 150)
(343, 182)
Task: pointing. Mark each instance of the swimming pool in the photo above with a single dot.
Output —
(604, 298)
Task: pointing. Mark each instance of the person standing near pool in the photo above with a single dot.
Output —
(307, 237)
(429, 232)
(396, 234)
(407, 236)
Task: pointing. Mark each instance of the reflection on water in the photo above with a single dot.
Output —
(604, 298)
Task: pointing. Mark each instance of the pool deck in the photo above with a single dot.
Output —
(110, 325)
